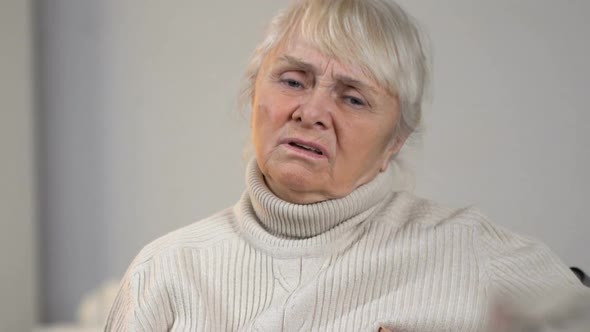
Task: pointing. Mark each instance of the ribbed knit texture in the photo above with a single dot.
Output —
(374, 258)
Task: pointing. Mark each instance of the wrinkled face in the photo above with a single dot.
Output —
(320, 128)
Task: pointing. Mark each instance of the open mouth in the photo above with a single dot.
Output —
(307, 148)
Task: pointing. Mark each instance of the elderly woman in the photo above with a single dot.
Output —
(321, 240)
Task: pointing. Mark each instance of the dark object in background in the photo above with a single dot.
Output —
(581, 275)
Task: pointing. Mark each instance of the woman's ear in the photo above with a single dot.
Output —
(396, 145)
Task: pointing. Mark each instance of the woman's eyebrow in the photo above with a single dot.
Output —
(355, 83)
(298, 63)
(341, 79)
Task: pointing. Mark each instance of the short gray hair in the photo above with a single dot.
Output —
(376, 35)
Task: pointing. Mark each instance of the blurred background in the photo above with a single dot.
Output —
(119, 123)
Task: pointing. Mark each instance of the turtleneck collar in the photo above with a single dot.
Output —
(289, 229)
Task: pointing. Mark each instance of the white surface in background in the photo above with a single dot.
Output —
(66, 328)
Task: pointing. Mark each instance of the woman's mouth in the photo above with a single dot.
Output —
(306, 147)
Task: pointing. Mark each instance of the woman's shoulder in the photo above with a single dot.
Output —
(409, 209)
(506, 258)
(204, 234)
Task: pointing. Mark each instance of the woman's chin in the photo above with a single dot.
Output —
(295, 185)
(302, 187)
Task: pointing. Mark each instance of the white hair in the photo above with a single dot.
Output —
(376, 35)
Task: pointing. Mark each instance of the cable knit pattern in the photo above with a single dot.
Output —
(374, 258)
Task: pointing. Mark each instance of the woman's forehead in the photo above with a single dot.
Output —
(303, 55)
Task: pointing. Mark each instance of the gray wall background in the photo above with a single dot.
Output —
(18, 249)
(140, 133)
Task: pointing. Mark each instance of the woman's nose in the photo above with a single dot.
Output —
(315, 111)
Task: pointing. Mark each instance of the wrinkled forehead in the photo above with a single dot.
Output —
(299, 50)
(320, 58)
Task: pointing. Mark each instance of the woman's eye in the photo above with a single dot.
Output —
(292, 83)
(354, 101)
(293, 79)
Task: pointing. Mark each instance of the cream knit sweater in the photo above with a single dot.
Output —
(374, 258)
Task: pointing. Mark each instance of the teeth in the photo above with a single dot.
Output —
(309, 148)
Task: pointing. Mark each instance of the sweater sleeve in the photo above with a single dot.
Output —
(527, 283)
(519, 266)
(121, 314)
(142, 303)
